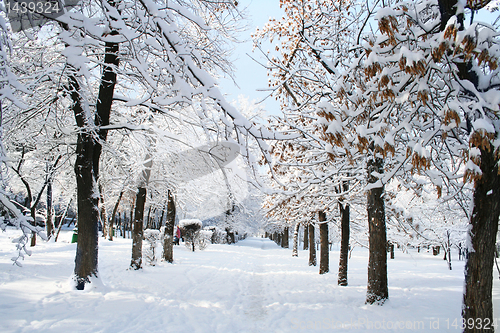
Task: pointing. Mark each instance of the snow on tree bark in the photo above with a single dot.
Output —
(168, 245)
(477, 301)
(295, 251)
(87, 200)
(483, 225)
(138, 224)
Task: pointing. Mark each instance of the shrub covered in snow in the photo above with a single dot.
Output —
(151, 237)
(190, 223)
(218, 236)
(203, 239)
(194, 237)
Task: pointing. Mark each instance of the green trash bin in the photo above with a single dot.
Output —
(74, 239)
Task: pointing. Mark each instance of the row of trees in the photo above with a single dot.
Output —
(411, 102)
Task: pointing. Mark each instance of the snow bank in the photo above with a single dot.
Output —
(188, 222)
(251, 286)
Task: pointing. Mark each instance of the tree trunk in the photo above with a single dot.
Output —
(312, 247)
(87, 163)
(295, 251)
(87, 202)
(324, 258)
(344, 243)
(113, 216)
(103, 216)
(48, 224)
(306, 237)
(88, 213)
(377, 291)
(148, 218)
(286, 233)
(160, 223)
(168, 244)
(131, 218)
(391, 250)
(137, 229)
(122, 222)
(140, 203)
(477, 301)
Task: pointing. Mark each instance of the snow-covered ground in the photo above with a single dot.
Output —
(253, 286)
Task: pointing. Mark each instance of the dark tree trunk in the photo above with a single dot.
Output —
(324, 257)
(477, 302)
(137, 229)
(113, 216)
(131, 218)
(306, 237)
(122, 223)
(105, 99)
(286, 234)
(168, 244)
(344, 243)
(102, 207)
(88, 153)
(87, 202)
(391, 250)
(160, 224)
(295, 251)
(88, 213)
(448, 9)
(49, 225)
(312, 247)
(377, 291)
(149, 224)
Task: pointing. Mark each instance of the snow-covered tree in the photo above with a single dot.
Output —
(315, 37)
(12, 92)
(161, 56)
(441, 78)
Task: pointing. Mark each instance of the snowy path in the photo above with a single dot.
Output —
(253, 286)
